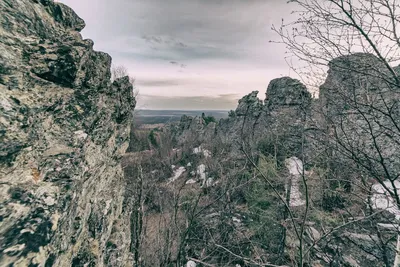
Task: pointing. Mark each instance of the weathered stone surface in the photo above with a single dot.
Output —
(64, 127)
(249, 104)
(360, 102)
(353, 78)
(67, 17)
(63, 130)
(286, 91)
(281, 114)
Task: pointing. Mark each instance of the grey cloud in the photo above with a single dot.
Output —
(231, 96)
(171, 52)
(190, 29)
(163, 40)
(220, 102)
(218, 39)
(159, 83)
(178, 64)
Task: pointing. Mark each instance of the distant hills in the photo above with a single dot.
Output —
(145, 116)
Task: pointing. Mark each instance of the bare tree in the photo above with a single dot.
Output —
(366, 101)
(119, 71)
(325, 30)
(358, 40)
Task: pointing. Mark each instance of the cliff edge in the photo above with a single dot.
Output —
(63, 130)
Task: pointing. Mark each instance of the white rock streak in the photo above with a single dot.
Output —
(191, 264)
(191, 181)
(207, 153)
(177, 173)
(198, 150)
(381, 198)
(201, 172)
(295, 167)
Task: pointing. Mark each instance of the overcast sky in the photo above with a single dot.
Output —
(189, 54)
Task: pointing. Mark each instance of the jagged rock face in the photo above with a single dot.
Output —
(360, 101)
(245, 125)
(249, 105)
(289, 104)
(63, 130)
(281, 114)
(287, 91)
(354, 78)
(193, 130)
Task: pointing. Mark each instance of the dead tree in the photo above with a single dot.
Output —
(358, 41)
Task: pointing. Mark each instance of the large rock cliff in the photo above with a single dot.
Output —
(192, 193)
(360, 102)
(63, 129)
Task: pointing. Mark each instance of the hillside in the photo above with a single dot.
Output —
(287, 181)
(279, 178)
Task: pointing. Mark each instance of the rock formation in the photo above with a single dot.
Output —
(360, 102)
(63, 129)
(282, 115)
(359, 92)
(65, 200)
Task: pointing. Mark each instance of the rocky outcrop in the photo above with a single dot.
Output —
(194, 130)
(287, 91)
(288, 128)
(281, 115)
(249, 105)
(63, 129)
(360, 103)
(354, 78)
(64, 200)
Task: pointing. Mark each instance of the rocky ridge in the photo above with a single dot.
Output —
(284, 111)
(357, 111)
(64, 127)
(63, 130)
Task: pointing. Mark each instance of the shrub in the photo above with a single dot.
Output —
(332, 201)
(207, 119)
(152, 139)
(231, 114)
(274, 147)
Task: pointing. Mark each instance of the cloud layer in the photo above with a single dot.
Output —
(189, 48)
(219, 102)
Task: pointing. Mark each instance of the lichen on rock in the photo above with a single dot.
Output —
(63, 129)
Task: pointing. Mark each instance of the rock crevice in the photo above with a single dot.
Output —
(63, 130)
